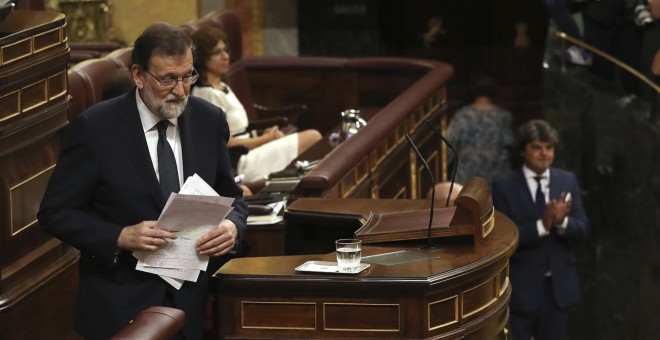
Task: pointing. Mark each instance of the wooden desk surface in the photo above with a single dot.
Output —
(450, 256)
(463, 292)
(358, 206)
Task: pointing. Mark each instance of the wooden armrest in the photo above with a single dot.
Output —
(95, 46)
(256, 186)
(291, 112)
(262, 124)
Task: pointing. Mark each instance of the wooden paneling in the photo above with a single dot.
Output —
(38, 276)
(459, 291)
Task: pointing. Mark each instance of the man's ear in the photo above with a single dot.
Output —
(138, 78)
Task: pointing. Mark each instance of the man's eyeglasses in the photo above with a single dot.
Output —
(170, 82)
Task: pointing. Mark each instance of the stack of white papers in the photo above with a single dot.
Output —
(191, 213)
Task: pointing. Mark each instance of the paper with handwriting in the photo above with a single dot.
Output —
(191, 213)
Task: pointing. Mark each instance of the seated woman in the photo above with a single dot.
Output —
(271, 151)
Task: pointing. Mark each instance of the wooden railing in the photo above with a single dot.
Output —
(397, 96)
(620, 64)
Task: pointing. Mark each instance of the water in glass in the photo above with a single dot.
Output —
(349, 254)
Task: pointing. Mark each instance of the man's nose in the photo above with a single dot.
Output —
(179, 89)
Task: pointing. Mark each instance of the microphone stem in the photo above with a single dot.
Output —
(429, 240)
(453, 176)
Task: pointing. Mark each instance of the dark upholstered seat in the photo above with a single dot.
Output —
(121, 56)
(86, 80)
(153, 323)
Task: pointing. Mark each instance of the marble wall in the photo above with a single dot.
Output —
(614, 148)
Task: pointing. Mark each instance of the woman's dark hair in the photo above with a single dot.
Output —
(161, 38)
(482, 84)
(205, 39)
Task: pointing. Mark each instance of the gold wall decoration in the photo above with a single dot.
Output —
(121, 21)
(88, 20)
(130, 18)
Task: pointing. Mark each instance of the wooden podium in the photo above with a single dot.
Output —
(38, 276)
(459, 291)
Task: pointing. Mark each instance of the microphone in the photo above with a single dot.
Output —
(429, 240)
(453, 176)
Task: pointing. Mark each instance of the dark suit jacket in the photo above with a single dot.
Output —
(536, 255)
(104, 180)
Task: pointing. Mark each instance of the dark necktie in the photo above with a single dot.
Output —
(540, 197)
(167, 169)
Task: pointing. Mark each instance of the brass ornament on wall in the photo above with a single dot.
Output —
(521, 39)
(435, 29)
(88, 20)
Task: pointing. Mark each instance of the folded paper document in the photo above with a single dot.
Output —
(191, 213)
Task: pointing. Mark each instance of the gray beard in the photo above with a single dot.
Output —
(163, 108)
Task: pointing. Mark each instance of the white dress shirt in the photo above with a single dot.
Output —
(545, 188)
(149, 121)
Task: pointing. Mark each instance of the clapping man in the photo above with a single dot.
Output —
(546, 206)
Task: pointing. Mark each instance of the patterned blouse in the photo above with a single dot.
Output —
(483, 139)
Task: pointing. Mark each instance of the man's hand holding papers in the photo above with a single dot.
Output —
(196, 217)
(144, 236)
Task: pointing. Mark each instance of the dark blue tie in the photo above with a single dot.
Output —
(540, 197)
(167, 169)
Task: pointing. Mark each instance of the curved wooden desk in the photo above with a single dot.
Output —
(461, 293)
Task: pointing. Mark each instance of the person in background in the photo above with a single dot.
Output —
(652, 40)
(561, 12)
(119, 82)
(611, 26)
(122, 160)
(269, 152)
(481, 133)
(546, 206)
(655, 65)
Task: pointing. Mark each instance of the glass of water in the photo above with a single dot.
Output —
(349, 253)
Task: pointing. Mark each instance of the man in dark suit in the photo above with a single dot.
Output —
(122, 160)
(546, 206)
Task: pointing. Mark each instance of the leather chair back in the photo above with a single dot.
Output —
(226, 21)
(86, 80)
(230, 23)
(154, 323)
(239, 81)
(121, 56)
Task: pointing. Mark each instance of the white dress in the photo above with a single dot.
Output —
(260, 161)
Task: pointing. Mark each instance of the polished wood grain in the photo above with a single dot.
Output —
(395, 95)
(462, 292)
(38, 274)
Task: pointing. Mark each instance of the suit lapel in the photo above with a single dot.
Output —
(556, 185)
(186, 128)
(136, 148)
(524, 191)
(199, 157)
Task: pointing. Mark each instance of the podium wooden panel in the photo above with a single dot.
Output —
(461, 293)
(38, 276)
